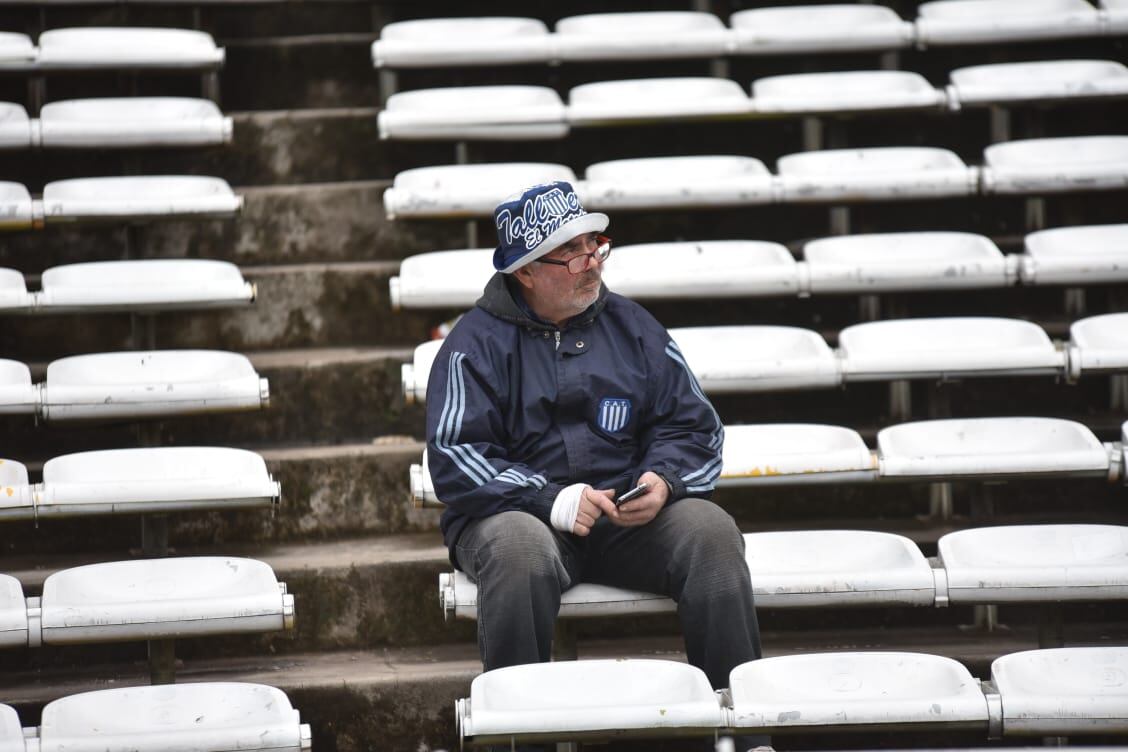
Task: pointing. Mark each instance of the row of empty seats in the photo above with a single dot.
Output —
(115, 122)
(131, 481)
(136, 285)
(751, 358)
(960, 449)
(864, 568)
(537, 112)
(146, 599)
(1056, 692)
(863, 263)
(893, 173)
(134, 198)
(134, 384)
(199, 716)
(97, 47)
(495, 41)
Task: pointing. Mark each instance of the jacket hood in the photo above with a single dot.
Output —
(498, 299)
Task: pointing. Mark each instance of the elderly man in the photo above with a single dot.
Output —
(548, 401)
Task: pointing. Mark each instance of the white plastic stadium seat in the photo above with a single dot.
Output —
(651, 271)
(1036, 563)
(640, 36)
(588, 699)
(150, 284)
(138, 197)
(13, 629)
(464, 190)
(892, 172)
(855, 691)
(154, 480)
(15, 491)
(1063, 691)
(844, 91)
(789, 569)
(1084, 255)
(987, 447)
(656, 99)
(16, 49)
(489, 40)
(11, 734)
(414, 375)
(1101, 342)
(114, 47)
(133, 121)
(15, 126)
(904, 261)
(441, 279)
(474, 112)
(955, 22)
(819, 28)
(422, 487)
(1004, 83)
(1116, 16)
(677, 182)
(458, 596)
(14, 296)
(729, 359)
(160, 598)
(209, 716)
(837, 568)
(794, 453)
(703, 270)
(150, 383)
(17, 394)
(1056, 165)
(15, 207)
(943, 347)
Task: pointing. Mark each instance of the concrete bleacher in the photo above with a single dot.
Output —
(288, 257)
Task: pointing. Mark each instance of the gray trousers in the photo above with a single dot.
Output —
(692, 552)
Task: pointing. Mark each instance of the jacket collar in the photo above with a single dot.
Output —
(502, 300)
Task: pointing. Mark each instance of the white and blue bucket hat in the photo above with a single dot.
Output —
(537, 220)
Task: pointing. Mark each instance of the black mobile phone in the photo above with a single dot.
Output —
(634, 493)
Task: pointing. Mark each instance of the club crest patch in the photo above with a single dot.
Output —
(614, 414)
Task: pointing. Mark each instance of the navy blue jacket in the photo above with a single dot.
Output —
(518, 409)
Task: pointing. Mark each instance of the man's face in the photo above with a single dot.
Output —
(553, 291)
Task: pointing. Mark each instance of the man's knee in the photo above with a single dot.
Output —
(515, 543)
(708, 540)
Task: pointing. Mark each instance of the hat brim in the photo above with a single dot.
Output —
(590, 222)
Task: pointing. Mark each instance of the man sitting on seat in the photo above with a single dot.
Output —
(548, 400)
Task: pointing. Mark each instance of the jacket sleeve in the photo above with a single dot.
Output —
(683, 436)
(466, 444)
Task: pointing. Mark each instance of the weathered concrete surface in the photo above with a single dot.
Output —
(268, 148)
(320, 396)
(402, 700)
(328, 492)
(297, 306)
(326, 222)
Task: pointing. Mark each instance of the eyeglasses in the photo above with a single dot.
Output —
(581, 261)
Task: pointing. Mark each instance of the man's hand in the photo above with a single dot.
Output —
(593, 505)
(642, 510)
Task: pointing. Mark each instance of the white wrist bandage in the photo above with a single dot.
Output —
(567, 506)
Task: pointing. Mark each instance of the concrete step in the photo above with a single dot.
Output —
(328, 492)
(334, 140)
(374, 589)
(297, 306)
(403, 699)
(343, 304)
(290, 224)
(318, 396)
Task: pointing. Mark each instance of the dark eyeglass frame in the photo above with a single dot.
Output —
(602, 251)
